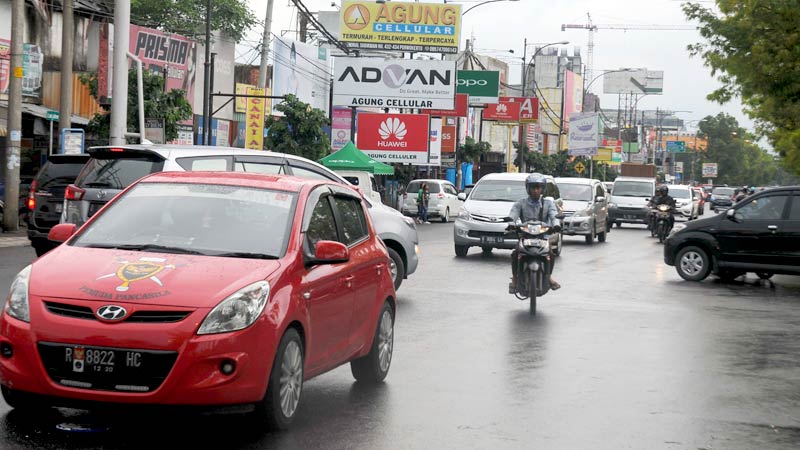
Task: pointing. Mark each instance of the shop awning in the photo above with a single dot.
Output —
(41, 111)
(351, 158)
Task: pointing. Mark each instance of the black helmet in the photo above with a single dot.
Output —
(535, 179)
(663, 189)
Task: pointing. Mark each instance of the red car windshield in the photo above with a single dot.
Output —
(204, 219)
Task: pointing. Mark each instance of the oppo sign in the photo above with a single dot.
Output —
(482, 86)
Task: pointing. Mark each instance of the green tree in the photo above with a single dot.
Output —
(740, 160)
(171, 106)
(753, 47)
(299, 131)
(188, 17)
(471, 151)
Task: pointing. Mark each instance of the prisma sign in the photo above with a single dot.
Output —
(399, 138)
(394, 83)
(482, 86)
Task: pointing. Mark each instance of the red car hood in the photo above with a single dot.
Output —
(140, 277)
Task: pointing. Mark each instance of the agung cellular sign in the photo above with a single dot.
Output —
(394, 83)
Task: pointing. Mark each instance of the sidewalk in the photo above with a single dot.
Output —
(17, 238)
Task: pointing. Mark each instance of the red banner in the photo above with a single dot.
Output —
(528, 108)
(448, 139)
(462, 103)
(396, 132)
(503, 111)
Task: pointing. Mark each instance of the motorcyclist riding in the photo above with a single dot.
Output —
(534, 207)
(662, 197)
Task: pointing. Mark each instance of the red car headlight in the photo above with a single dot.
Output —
(238, 311)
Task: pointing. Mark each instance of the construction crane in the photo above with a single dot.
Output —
(592, 27)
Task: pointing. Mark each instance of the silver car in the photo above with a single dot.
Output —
(483, 219)
(112, 169)
(585, 208)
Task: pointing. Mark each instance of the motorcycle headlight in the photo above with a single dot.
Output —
(663, 207)
(464, 215)
(17, 302)
(535, 229)
(238, 311)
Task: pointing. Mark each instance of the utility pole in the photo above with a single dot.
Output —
(11, 166)
(119, 84)
(262, 72)
(523, 127)
(67, 50)
(207, 78)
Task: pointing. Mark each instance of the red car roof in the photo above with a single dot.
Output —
(280, 182)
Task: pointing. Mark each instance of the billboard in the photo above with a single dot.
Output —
(710, 170)
(400, 26)
(550, 110)
(400, 138)
(394, 83)
(635, 81)
(165, 53)
(460, 110)
(255, 120)
(435, 147)
(448, 139)
(573, 95)
(502, 112)
(341, 123)
(583, 137)
(482, 86)
(301, 70)
(32, 59)
(528, 108)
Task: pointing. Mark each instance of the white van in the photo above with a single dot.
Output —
(629, 199)
(364, 180)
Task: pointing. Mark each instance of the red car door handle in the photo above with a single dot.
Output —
(348, 280)
(379, 268)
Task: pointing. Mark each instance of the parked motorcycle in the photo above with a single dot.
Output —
(663, 221)
(533, 259)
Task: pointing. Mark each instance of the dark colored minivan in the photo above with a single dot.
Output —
(46, 197)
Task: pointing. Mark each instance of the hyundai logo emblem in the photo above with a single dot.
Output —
(111, 312)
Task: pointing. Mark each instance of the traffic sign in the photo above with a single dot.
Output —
(580, 168)
(52, 116)
(676, 147)
(678, 167)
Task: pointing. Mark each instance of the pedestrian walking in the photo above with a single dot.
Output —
(426, 196)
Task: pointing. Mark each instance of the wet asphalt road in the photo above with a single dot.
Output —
(625, 355)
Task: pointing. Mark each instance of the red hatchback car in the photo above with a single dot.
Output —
(193, 288)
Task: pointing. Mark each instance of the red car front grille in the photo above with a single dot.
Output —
(84, 312)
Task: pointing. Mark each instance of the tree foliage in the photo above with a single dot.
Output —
(471, 151)
(172, 106)
(740, 161)
(753, 47)
(188, 17)
(300, 130)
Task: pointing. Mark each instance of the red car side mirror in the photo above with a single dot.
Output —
(331, 252)
(61, 232)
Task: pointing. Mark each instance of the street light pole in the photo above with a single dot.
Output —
(483, 3)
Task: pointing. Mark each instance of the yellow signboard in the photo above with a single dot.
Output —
(254, 131)
(401, 26)
(604, 154)
(580, 167)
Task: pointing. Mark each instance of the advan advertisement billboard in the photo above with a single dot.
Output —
(394, 83)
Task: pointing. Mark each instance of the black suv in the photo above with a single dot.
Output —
(760, 234)
(46, 197)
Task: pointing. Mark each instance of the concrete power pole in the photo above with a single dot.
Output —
(262, 72)
(119, 86)
(12, 162)
(67, 50)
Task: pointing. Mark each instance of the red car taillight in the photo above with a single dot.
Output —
(32, 196)
(74, 193)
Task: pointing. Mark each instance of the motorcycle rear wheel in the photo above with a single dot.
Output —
(532, 290)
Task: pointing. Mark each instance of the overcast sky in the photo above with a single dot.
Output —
(504, 25)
